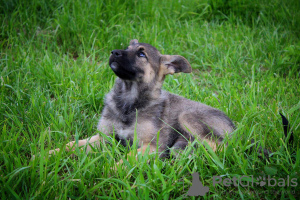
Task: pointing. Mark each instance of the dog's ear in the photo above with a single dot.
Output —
(133, 42)
(175, 64)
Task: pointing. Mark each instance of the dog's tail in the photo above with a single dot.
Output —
(266, 152)
(286, 128)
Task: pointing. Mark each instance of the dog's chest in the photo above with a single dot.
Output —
(144, 129)
(125, 131)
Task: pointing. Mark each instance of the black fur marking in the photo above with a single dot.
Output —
(125, 67)
(124, 142)
(128, 109)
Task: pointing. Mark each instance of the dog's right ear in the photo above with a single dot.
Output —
(171, 64)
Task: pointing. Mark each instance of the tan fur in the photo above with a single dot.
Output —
(138, 104)
(149, 73)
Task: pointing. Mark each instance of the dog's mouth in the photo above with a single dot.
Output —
(123, 72)
(114, 66)
(124, 68)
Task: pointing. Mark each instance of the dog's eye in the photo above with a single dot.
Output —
(141, 54)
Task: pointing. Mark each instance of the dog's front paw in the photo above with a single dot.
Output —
(32, 157)
(50, 153)
(53, 152)
(117, 165)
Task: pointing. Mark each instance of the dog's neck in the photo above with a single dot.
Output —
(131, 95)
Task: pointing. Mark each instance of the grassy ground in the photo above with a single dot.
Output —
(54, 75)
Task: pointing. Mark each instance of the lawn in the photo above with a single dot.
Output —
(54, 75)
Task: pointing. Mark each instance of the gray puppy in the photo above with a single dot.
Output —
(137, 103)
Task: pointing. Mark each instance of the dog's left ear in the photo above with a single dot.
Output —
(133, 42)
(174, 64)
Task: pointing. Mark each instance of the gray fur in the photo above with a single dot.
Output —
(159, 110)
(141, 70)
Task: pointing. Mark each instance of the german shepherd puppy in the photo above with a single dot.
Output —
(137, 103)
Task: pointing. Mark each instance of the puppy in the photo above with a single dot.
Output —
(138, 104)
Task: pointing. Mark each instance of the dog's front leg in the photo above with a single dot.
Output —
(92, 141)
(152, 148)
(104, 126)
(142, 150)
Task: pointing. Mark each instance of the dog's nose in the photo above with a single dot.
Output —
(116, 53)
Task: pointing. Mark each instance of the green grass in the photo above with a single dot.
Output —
(54, 75)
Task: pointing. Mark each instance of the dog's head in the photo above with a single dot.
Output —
(142, 62)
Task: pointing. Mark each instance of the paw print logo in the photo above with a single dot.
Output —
(261, 181)
(197, 187)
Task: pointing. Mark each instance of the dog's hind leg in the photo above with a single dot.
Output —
(211, 131)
